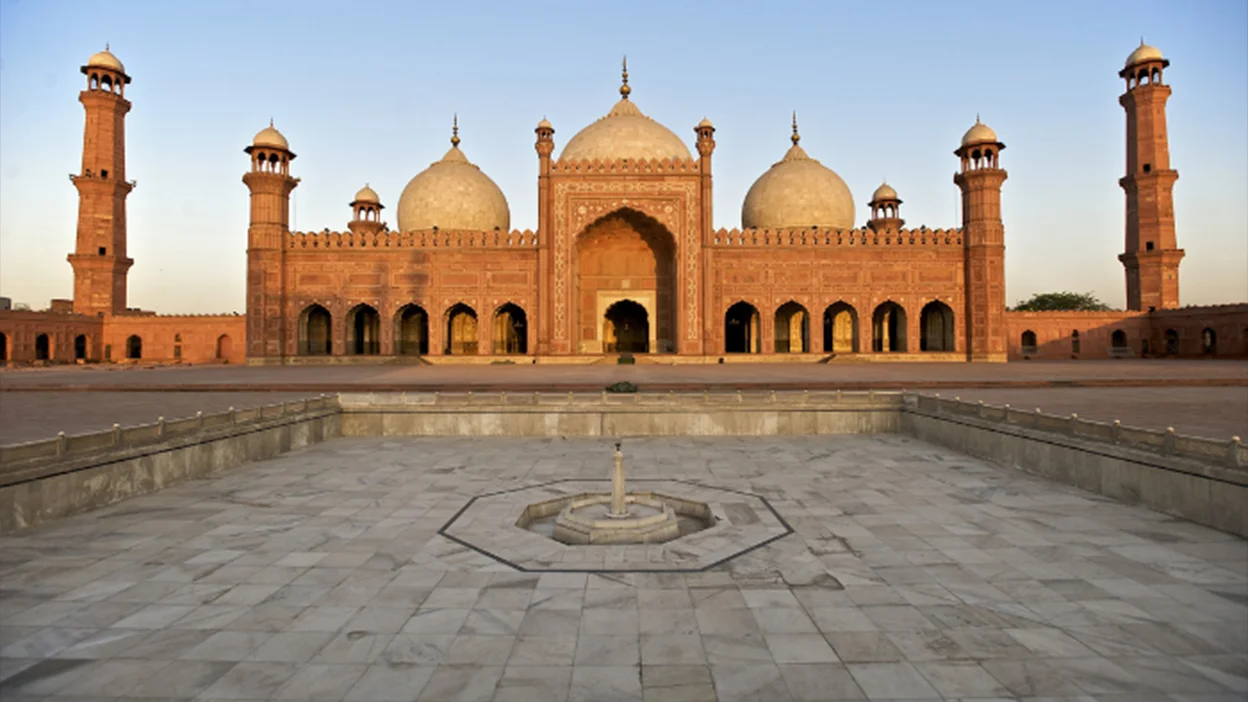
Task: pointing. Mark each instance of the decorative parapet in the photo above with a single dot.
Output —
(1227, 453)
(428, 239)
(626, 166)
(30, 460)
(739, 238)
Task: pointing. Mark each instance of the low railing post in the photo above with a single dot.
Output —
(199, 416)
(980, 410)
(1167, 441)
(1074, 423)
(232, 416)
(1115, 431)
(1232, 453)
(160, 426)
(61, 444)
(1035, 418)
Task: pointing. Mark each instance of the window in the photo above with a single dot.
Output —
(1148, 246)
(1148, 168)
(103, 251)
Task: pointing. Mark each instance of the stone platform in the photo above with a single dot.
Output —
(913, 573)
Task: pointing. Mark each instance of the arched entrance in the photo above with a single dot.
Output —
(43, 347)
(510, 330)
(224, 347)
(1209, 342)
(1172, 342)
(936, 322)
(316, 336)
(626, 328)
(625, 255)
(461, 330)
(741, 329)
(792, 328)
(4, 347)
(888, 328)
(840, 328)
(80, 347)
(411, 331)
(134, 347)
(363, 331)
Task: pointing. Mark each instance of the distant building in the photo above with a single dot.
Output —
(624, 259)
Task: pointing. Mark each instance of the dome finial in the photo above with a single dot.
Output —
(455, 130)
(796, 137)
(106, 43)
(624, 89)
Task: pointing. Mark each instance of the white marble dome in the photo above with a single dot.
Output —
(798, 192)
(453, 194)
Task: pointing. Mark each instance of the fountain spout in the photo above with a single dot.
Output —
(618, 507)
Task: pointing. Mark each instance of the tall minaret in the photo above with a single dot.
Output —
(1152, 253)
(271, 184)
(983, 236)
(99, 257)
(545, 146)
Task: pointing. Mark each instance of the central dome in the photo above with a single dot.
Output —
(625, 133)
(453, 194)
(798, 192)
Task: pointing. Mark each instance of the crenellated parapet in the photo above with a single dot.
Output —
(626, 166)
(835, 237)
(427, 239)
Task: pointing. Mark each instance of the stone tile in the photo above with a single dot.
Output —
(800, 648)
(741, 682)
(677, 683)
(820, 682)
(227, 646)
(493, 622)
(385, 683)
(46, 677)
(736, 649)
(672, 649)
(605, 684)
(462, 683)
(955, 679)
(554, 622)
(609, 651)
(317, 682)
(765, 599)
(1031, 678)
(522, 683)
(891, 681)
(113, 678)
(614, 622)
(356, 646)
(831, 620)
(783, 620)
(480, 650)
(544, 651)
(181, 679)
(291, 646)
(864, 647)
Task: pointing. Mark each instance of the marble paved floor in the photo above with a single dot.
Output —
(914, 574)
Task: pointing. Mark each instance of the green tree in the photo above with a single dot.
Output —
(1062, 302)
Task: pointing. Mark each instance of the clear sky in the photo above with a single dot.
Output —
(365, 91)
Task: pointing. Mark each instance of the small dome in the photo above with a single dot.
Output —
(453, 194)
(1143, 53)
(105, 59)
(368, 195)
(979, 133)
(545, 124)
(884, 192)
(798, 192)
(705, 123)
(271, 138)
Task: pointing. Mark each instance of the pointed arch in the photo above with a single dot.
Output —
(81, 346)
(461, 330)
(936, 327)
(888, 328)
(792, 328)
(43, 347)
(742, 328)
(4, 347)
(511, 332)
(1209, 341)
(840, 328)
(1028, 343)
(363, 331)
(1171, 339)
(134, 347)
(411, 330)
(1118, 341)
(626, 328)
(316, 331)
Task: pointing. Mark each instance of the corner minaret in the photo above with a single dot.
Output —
(1152, 254)
(271, 184)
(99, 258)
(983, 236)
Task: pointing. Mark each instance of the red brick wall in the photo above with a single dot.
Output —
(22, 328)
(189, 338)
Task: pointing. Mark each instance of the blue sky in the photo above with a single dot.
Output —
(365, 91)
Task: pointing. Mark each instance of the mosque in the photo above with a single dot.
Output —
(625, 260)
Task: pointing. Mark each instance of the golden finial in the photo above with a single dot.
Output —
(796, 137)
(455, 130)
(1141, 40)
(624, 89)
(106, 43)
(270, 123)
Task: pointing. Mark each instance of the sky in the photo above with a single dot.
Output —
(365, 93)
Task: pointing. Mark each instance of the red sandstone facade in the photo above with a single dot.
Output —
(625, 259)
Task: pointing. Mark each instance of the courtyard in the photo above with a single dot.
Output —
(911, 573)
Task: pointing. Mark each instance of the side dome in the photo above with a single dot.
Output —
(884, 192)
(979, 133)
(106, 59)
(453, 194)
(1143, 53)
(625, 133)
(798, 192)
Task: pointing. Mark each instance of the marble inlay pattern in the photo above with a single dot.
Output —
(487, 524)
